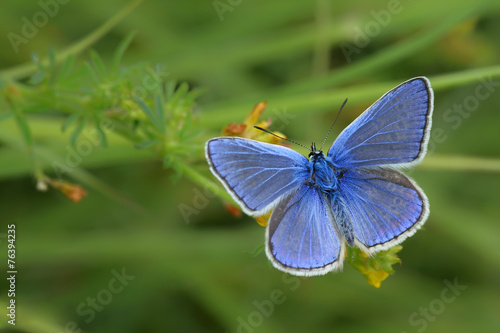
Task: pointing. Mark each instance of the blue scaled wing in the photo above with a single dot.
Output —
(384, 205)
(393, 131)
(256, 174)
(300, 237)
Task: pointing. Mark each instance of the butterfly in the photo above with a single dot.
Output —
(353, 195)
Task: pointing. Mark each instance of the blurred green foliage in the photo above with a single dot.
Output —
(127, 259)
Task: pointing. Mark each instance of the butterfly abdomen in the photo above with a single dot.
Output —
(341, 218)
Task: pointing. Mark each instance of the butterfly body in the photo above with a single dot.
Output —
(323, 174)
(352, 195)
(325, 178)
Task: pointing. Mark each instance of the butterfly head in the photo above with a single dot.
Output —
(315, 153)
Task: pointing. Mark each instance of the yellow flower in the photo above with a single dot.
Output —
(247, 130)
(264, 219)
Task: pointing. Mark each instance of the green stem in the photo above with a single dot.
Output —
(387, 57)
(201, 180)
(460, 163)
(451, 80)
(216, 117)
(24, 70)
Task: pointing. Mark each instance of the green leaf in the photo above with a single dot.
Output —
(184, 133)
(102, 134)
(149, 113)
(160, 113)
(36, 60)
(24, 127)
(52, 59)
(117, 58)
(98, 65)
(156, 78)
(170, 89)
(257, 250)
(66, 67)
(70, 120)
(180, 92)
(37, 78)
(146, 144)
(93, 73)
(77, 131)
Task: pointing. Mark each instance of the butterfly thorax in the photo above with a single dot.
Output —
(325, 177)
(323, 174)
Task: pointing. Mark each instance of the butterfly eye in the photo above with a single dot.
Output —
(315, 154)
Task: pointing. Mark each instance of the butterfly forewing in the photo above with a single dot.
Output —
(393, 131)
(256, 174)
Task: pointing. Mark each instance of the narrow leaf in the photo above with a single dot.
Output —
(117, 58)
(66, 67)
(103, 141)
(24, 128)
(92, 73)
(70, 120)
(149, 113)
(37, 78)
(160, 113)
(146, 144)
(77, 131)
(98, 65)
(52, 59)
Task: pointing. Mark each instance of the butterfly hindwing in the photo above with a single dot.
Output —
(257, 174)
(385, 206)
(393, 131)
(300, 237)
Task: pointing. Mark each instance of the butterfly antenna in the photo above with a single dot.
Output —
(338, 114)
(264, 130)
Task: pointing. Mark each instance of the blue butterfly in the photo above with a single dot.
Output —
(352, 195)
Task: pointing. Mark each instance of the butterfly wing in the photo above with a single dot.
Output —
(393, 131)
(385, 206)
(256, 174)
(300, 238)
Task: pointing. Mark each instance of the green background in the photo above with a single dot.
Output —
(197, 274)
